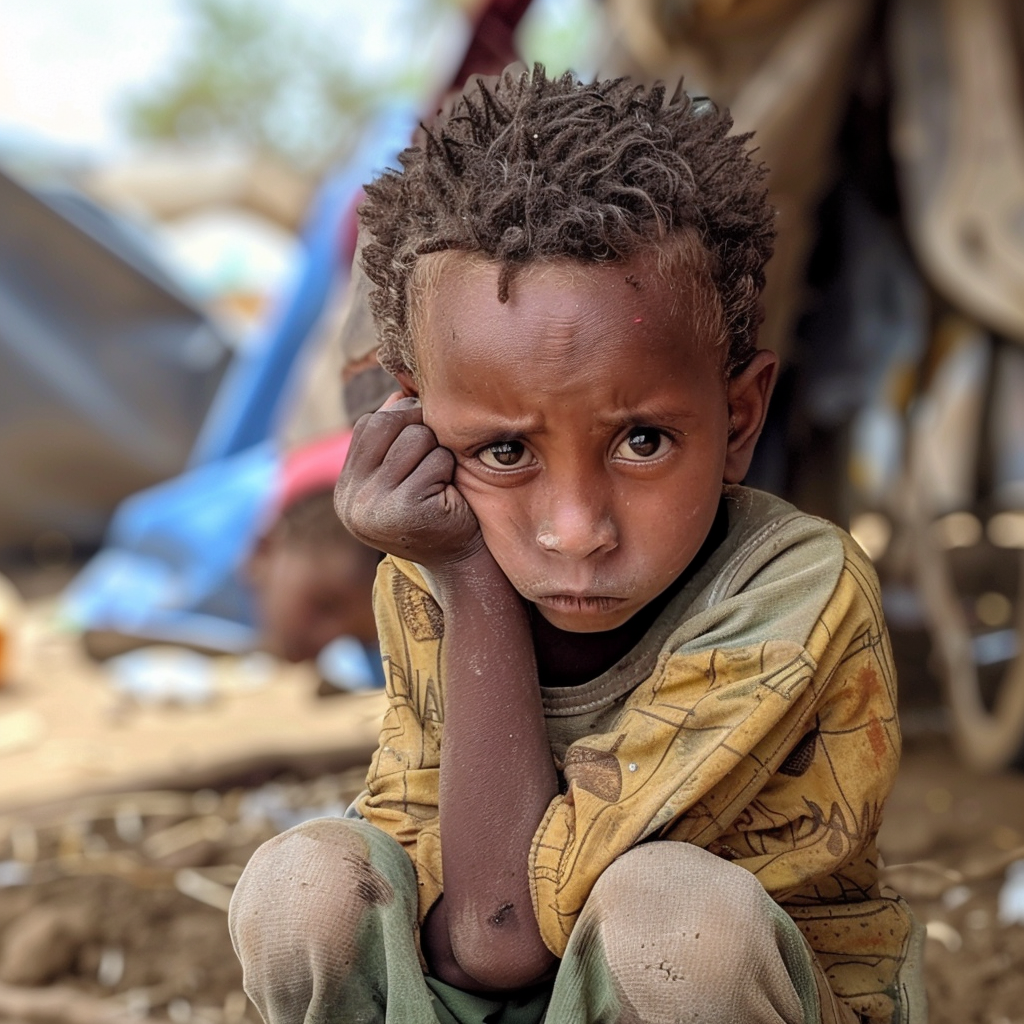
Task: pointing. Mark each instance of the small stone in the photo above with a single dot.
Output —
(42, 944)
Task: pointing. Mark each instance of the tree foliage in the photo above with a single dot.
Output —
(251, 74)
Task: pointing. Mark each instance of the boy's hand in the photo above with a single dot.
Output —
(396, 493)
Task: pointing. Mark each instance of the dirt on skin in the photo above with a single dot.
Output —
(123, 899)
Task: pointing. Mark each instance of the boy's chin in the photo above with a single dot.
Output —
(599, 618)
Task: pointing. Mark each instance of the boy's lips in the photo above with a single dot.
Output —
(578, 602)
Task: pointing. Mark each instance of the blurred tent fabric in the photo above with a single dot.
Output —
(248, 406)
(173, 181)
(171, 568)
(106, 368)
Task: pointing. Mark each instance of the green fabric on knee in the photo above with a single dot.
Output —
(584, 989)
(796, 955)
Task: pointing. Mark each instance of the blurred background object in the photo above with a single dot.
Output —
(958, 143)
(10, 615)
(106, 367)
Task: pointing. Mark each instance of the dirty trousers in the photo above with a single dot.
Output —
(323, 921)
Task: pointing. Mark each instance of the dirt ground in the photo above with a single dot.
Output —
(112, 908)
(947, 839)
(120, 914)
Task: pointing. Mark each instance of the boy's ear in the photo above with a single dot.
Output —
(410, 389)
(748, 393)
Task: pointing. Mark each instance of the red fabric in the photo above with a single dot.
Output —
(492, 46)
(312, 468)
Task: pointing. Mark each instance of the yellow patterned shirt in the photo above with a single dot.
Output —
(756, 718)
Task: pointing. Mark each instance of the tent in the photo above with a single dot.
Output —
(106, 369)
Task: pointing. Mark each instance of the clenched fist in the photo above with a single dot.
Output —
(396, 493)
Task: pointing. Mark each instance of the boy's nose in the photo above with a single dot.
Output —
(578, 530)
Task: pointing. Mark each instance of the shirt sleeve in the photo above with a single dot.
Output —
(776, 754)
(809, 834)
(402, 784)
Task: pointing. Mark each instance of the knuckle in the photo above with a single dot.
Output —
(419, 434)
(340, 503)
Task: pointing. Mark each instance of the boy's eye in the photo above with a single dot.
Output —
(505, 455)
(642, 443)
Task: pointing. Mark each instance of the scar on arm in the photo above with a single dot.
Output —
(502, 915)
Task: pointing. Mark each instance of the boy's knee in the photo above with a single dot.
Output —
(677, 926)
(321, 868)
(678, 896)
(295, 913)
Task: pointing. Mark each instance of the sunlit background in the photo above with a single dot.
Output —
(94, 81)
(135, 102)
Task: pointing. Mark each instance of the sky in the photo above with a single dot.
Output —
(66, 66)
(64, 63)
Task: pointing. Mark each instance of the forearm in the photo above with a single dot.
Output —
(397, 493)
(497, 779)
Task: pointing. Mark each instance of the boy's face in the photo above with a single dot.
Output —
(590, 421)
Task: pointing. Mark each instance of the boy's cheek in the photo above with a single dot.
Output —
(470, 487)
(503, 520)
(475, 496)
(488, 501)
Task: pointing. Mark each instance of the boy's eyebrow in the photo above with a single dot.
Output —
(496, 427)
(652, 414)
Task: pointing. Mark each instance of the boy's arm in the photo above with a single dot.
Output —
(497, 776)
(497, 779)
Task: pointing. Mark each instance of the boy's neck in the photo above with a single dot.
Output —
(570, 659)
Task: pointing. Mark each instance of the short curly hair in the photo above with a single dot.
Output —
(523, 168)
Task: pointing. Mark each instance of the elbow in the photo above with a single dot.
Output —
(502, 954)
(512, 972)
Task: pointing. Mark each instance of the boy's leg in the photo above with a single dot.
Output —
(672, 933)
(323, 920)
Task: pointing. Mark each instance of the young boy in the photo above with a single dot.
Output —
(642, 720)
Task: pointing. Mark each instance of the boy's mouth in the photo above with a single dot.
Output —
(578, 602)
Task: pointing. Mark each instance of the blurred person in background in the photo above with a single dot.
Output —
(310, 579)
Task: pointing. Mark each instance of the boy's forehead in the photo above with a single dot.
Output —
(456, 303)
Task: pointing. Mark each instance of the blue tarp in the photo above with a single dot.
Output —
(173, 567)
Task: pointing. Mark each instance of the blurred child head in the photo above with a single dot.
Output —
(312, 581)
